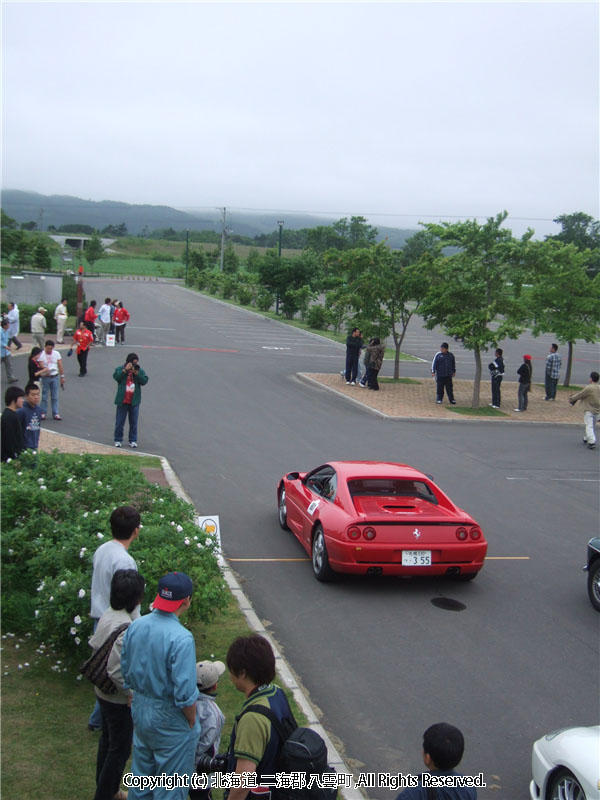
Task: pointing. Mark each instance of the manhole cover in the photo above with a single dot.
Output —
(447, 604)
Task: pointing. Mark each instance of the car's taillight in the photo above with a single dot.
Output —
(461, 534)
(354, 533)
(475, 534)
(369, 534)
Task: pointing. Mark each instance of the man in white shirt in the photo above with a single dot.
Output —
(104, 316)
(125, 524)
(38, 327)
(60, 315)
(51, 360)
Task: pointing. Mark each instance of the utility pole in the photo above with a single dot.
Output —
(41, 222)
(187, 250)
(280, 223)
(223, 229)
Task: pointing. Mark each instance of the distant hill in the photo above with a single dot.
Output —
(60, 210)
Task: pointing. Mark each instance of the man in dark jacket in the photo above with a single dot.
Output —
(12, 437)
(443, 369)
(496, 368)
(130, 377)
(354, 343)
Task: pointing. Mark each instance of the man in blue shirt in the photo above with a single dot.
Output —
(158, 662)
(443, 369)
(443, 747)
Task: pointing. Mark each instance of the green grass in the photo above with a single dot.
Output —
(399, 380)
(561, 388)
(484, 411)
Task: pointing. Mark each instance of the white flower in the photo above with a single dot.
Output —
(82, 551)
(62, 583)
(81, 593)
(199, 545)
(85, 513)
(172, 523)
(18, 473)
(69, 480)
(99, 483)
(162, 516)
(37, 612)
(73, 630)
(77, 640)
(195, 538)
(77, 619)
(40, 480)
(186, 541)
(20, 666)
(79, 677)
(26, 664)
(161, 500)
(34, 452)
(41, 586)
(100, 535)
(17, 646)
(10, 551)
(51, 598)
(43, 487)
(208, 542)
(179, 529)
(8, 460)
(96, 511)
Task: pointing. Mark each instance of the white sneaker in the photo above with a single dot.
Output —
(117, 444)
(352, 383)
(495, 406)
(439, 402)
(133, 444)
(347, 383)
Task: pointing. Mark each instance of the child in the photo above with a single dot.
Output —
(12, 437)
(443, 747)
(209, 715)
(30, 415)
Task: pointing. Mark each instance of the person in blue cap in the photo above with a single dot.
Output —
(158, 662)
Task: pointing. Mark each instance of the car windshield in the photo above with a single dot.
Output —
(390, 487)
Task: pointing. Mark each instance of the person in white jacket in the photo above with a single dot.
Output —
(114, 748)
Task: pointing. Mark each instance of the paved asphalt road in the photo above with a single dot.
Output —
(376, 656)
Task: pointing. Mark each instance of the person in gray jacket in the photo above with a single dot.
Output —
(373, 360)
(114, 748)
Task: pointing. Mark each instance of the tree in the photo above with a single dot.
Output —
(7, 222)
(564, 299)
(380, 291)
(253, 260)
(282, 275)
(231, 261)
(28, 226)
(477, 286)
(584, 232)
(41, 257)
(21, 249)
(356, 233)
(94, 249)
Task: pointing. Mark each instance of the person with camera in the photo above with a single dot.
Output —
(254, 745)
(130, 377)
(211, 720)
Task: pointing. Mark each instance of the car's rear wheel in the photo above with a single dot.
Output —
(594, 584)
(320, 559)
(466, 576)
(565, 786)
(282, 510)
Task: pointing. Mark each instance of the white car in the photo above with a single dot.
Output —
(565, 765)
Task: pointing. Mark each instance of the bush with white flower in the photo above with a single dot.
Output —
(49, 538)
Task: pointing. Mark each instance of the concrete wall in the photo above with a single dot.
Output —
(35, 289)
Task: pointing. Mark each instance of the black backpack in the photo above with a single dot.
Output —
(302, 751)
(95, 668)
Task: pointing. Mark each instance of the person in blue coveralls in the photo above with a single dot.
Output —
(158, 662)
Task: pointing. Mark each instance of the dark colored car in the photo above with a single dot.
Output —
(593, 570)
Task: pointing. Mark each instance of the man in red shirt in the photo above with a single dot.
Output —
(83, 338)
(90, 318)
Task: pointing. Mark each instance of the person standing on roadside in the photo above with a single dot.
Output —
(443, 369)
(373, 361)
(496, 368)
(354, 343)
(13, 326)
(83, 339)
(120, 319)
(104, 316)
(12, 435)
(158, 661)
(553, 362)
(6, 354)
(525, 373)
(38, 327)
(90, 318)
(590, 402)
(30, 415)
(60, 315)
(130, 377)
(52, 360)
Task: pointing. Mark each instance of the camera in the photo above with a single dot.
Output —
(208, 763)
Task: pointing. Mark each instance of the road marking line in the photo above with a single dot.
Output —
(138, 328)
(268, 559)
(196, 349)
(542, 478)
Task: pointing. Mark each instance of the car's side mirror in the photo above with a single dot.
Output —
(292, 476)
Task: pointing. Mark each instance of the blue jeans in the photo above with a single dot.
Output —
(123, 411)
(50, 384)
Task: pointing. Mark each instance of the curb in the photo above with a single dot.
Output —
(285, 672)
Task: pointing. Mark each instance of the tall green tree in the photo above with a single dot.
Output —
(231, 260)
(41, 257)
(475, 294)
(381, 293)
(6, 221)
(582, 231)
(564, 298)
(94, 249)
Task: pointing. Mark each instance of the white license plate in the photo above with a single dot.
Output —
(416, 558)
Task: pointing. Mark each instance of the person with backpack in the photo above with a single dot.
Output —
(114, 747)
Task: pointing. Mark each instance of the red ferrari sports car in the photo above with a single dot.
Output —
(369, 517)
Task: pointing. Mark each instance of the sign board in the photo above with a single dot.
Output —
(210, 525)
(110, 340)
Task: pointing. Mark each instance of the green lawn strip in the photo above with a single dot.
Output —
(484, 411)
(561, 388)
(399, 380)
(138, 461)
(49, 752)
(296, 323)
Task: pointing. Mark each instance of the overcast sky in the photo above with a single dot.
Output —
(419, 111)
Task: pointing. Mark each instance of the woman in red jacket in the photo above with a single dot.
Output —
(84, 339)
(120, 319)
